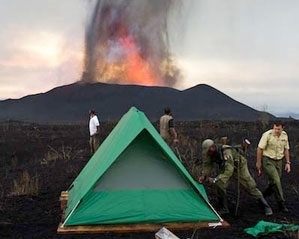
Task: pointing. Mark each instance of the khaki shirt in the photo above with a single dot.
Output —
(274, 146)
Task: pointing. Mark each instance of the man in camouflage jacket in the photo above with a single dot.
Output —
(232, 164)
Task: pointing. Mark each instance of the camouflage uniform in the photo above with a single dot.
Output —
(231, 164)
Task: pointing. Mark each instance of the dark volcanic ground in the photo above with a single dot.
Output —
(47, 158)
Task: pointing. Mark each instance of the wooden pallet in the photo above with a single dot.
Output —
(127, 228)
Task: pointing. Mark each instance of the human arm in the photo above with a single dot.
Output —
(287, 167)
(98, 130)
(263, 144)
(228, 167)
(97, 124)
(259, 155)
(172, 131)
(206, 169)
(225, 174)
(174, 134)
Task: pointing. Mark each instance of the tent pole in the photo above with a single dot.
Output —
(70, 213)
(207, 201)
(221, 220)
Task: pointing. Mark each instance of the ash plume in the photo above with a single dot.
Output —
(127, 36)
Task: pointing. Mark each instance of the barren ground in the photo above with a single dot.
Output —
(40, 161)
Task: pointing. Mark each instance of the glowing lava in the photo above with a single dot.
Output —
(127, 43)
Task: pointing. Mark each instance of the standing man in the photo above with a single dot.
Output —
(94, 130)
(231, 164)
(167, 130)
(272, 149)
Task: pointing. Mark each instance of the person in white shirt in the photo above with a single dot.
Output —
(94, 130)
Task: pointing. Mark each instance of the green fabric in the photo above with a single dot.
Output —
(264, 228)
(148, 206)
(112, 188)
(273, 170)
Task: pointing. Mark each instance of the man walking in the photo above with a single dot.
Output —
(272, 149)
(94, 130)
(167, 130)
(232, 164)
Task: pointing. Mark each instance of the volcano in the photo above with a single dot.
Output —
(70, 104)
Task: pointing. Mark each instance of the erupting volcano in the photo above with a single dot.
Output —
(127, 43)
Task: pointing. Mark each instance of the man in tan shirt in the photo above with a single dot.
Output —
(167, 130)
(272, 149)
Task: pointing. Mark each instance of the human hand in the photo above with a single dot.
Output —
(287, 167)
(259, 168)
(201, 179)
(212, 180)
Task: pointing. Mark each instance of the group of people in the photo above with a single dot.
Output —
(167, 129)
(272, 157)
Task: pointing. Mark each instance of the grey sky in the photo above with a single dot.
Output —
(247, 49)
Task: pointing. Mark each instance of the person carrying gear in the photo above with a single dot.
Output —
(167, 130)
(273, 147)
(231, 165)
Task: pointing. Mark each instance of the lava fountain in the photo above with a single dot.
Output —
(127, 42)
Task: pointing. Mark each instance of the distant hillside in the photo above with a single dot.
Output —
(70, 103)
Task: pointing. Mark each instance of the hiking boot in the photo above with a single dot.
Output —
(282, 207)
(267, 209)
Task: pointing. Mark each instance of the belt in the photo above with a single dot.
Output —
(272, 158)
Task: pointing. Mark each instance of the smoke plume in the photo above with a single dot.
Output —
(127, 43)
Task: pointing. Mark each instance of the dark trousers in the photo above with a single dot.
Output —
(94, 143)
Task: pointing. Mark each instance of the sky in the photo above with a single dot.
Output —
(247, 49)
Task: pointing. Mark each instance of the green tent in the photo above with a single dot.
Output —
(134, 177)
